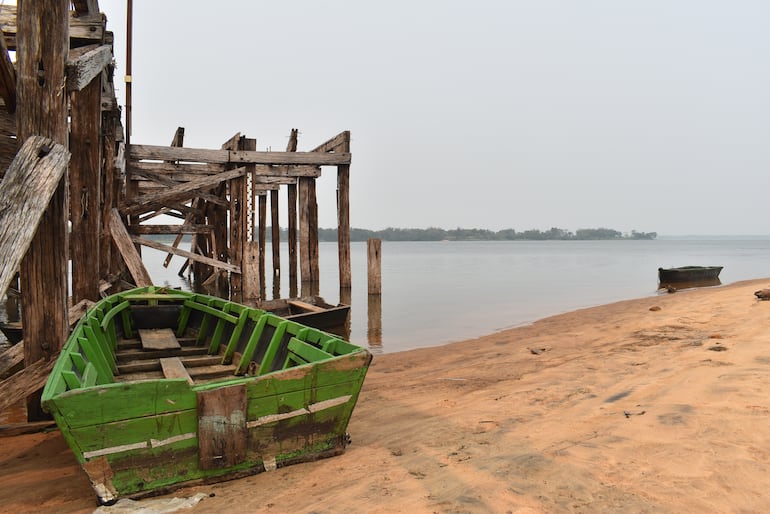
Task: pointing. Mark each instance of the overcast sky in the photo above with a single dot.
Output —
(647, 115)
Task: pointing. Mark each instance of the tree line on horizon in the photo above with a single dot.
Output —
(468, 234)
(477, 234)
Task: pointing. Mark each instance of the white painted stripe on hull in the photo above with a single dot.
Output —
(264, 420)
(313, 407)
(154, 443)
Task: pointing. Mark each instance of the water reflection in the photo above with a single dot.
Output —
(670, 287)
(374, 326)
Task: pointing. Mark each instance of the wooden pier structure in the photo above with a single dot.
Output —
(100, 199)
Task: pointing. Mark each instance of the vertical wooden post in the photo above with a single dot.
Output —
(85, 190)
(292, 228)
(245, 223)
(240, 216)
(250, 272)
(308, 234)
(275, 227)
(42, 47)
(374, 256)
(262, 242)
(343, 217)
(110, 179)
(374, 321)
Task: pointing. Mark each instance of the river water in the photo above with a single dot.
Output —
(439, 292)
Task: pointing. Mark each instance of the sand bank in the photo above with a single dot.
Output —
(652, 405)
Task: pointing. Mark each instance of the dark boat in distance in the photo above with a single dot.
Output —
(688, 274)
(12, 331)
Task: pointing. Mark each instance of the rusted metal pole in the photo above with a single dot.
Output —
(129, 78)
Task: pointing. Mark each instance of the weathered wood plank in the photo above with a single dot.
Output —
(334, 144)
(24, 383)
(11, 358)
(16, 429)
(171, 229)
(83, 67)
(222, 432)
(43, 45)
(25, 191)
(173, 368)
(126, 248)
(158, 339)
(182, 191)
(192, 256)
(166, 153)
(85, 190)
(83, 7)
(7, 78)
(343, 216)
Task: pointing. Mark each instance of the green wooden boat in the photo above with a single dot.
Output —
(159, 388)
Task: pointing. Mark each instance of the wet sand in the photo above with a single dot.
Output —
(651, 405)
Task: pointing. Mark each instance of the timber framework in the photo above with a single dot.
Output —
(74, 192)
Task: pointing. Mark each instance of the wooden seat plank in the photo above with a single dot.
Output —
(158, 339)
(173, 368)
(309, 307)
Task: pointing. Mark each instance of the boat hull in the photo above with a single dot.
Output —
(688, 274)
(151, 434)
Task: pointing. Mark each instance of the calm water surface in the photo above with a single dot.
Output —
(439, 292)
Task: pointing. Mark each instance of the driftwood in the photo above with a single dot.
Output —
(19, 386)
(24, 195)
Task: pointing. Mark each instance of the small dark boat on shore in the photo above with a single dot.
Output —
(312, 311)
(11, 331)
(688, 274)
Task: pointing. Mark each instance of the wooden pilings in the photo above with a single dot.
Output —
(374, 260)
(42, 44)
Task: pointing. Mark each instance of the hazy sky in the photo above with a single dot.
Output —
(652, 115)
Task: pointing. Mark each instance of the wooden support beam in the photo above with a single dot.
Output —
(25, 192)
(343, 216)
(42, 48)
(85, 64)
(83, 7)
(262, 242)
(308, 231)
(250, 265)
(336, 144)
(126, 248)
(180, 192)
(24, 383)
(192, 256)
(85, 189)
(186, 228)
(165, 153)
(7, 78)
(291, 200)
(275, 239)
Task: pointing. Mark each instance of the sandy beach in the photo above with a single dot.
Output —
(651, 405)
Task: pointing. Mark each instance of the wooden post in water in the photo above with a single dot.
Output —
(343, 217)
(262, 242)
(308, 235)
(374, 256)
(275, 227)
(42, 43)
(291, 195)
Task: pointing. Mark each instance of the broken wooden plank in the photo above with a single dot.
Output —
(126, 248)
(222, 432)
(166, 153)
(83, 67)
(192, 256)
(7, 78)
(308, 307)
(181, 191)
(25, 192)
(33, 427)
(337, 143)
(158, 339)
(11, 359)
(173, 368)
(172, 229)
(25, 382)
